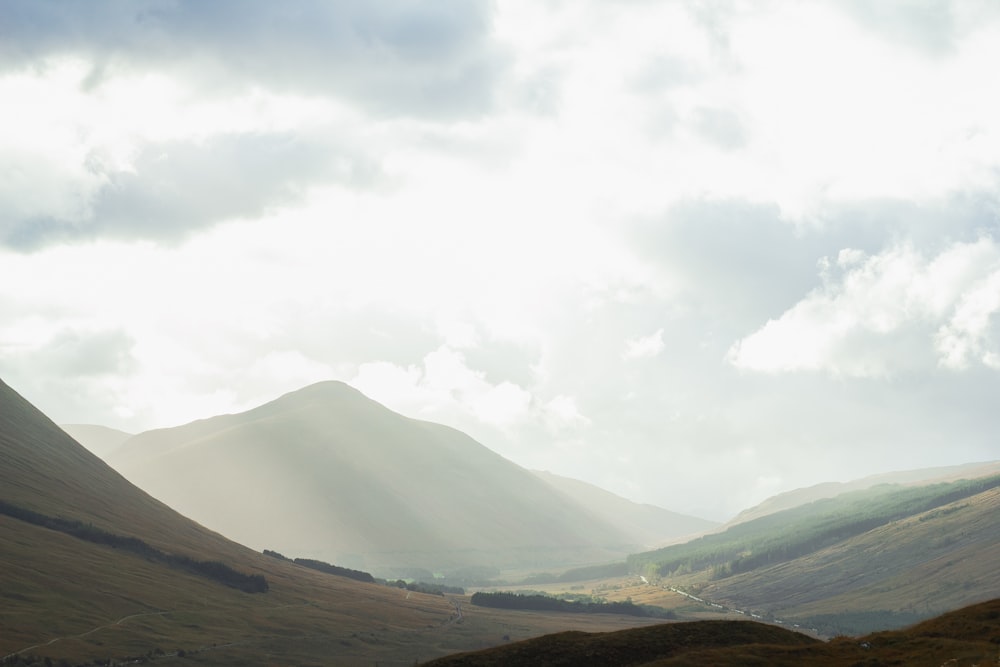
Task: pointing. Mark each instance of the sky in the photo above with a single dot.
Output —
(697, 253)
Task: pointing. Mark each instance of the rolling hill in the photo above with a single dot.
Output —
(325, 472)
(960, 638)
(95, 569)
(871, 559)
(809, 494)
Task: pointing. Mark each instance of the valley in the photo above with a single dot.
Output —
(96, 568)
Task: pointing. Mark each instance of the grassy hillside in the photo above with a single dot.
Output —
(865, 560)
(66, 597)
(325, 472)
(923, 564)
(919, 477)
(805, 529)
(966, 637)
(653, 525)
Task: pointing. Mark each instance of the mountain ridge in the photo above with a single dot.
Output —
(801, 496)
(432, 495)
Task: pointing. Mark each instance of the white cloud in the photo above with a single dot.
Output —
(644, 347)
(971, 333)
(894, 311)
(444, 385)
(561, 413)
(443, 212)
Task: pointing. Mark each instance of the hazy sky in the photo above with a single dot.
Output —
(695, 252)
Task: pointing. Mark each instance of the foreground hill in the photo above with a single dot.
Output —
(325, 472)
(95, 569)
(965, 637)
(652, 525)
(870, 559)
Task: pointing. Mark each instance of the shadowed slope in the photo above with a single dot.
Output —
(636, 646)
(326, 472)
(962, 638)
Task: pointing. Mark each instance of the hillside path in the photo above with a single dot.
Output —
(88, 632)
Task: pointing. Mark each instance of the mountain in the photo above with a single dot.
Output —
(652, 525)
(100, 440)
(94, 567)
(967, 636)
(871, 559)
(326, 472)
(797, 497)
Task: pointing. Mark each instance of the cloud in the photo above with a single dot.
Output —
(444, 384)
(930, 26)
(423, 57)
(877, 315)
(81, 353)
(721, 127)
(80, 369)
(562, 414)
(644, 347)
(477, 211)
(148, 158)
(730, 257)
(169, 189)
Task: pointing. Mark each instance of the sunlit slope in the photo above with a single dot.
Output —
(326, 472)
(653, 525)
(798, 497)
(926, 563)
(878, 558)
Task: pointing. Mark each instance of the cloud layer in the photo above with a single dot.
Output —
(646, 246)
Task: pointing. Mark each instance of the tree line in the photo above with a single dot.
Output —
(214, 570)
(803, 530)
(327, 568)
(535, 602)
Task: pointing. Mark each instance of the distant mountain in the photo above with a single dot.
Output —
(797, 497)
(653, 525)
(326, 472)
(100, 440)
(93, 568)
(876, 558)
(964, 637)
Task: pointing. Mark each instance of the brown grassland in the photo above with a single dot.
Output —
(967, 637)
